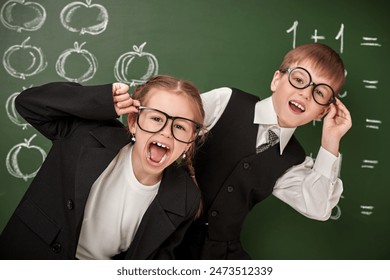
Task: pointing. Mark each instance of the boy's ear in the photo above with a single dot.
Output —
(275, 80)
(323, 113)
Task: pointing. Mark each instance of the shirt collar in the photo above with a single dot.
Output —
(265, 115)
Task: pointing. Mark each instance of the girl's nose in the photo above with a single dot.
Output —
(167, 131)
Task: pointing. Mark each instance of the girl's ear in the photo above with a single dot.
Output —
(275, 80)
(131, 121)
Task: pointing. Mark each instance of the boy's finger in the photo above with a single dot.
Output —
(342, 110)
(332, 112)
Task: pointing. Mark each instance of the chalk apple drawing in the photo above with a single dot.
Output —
(12, 113)
(337, 215)
(86, 55)
(12, 159)
(68, 12)
(122, 65)
(10, 10)
(29, 53)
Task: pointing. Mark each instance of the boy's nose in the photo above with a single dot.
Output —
(306, 92)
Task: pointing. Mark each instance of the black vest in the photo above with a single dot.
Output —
(233, 178)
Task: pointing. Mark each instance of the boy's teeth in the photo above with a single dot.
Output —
(298, 105)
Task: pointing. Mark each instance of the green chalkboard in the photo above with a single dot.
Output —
(214, 43)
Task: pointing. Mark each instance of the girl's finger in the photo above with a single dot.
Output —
(120, 88)
(122, 97)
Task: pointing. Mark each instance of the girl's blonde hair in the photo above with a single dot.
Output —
(182, 87)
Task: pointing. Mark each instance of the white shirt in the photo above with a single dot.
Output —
(114, 209)
(311, 188)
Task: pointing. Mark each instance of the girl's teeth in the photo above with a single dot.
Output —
(163, 158)
(161, 145)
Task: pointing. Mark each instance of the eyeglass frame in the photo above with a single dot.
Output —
(311, 83)
(198, 126)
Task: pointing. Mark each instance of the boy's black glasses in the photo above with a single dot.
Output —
(300, 78)
(152, 120)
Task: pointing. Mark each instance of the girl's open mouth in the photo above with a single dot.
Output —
(158, 152)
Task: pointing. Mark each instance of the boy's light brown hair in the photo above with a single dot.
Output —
(323, 58)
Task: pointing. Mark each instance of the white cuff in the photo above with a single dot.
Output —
(327, 164)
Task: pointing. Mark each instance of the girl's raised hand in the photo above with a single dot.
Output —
(123, 103)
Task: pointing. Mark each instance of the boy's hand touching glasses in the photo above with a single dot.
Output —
(336, 124)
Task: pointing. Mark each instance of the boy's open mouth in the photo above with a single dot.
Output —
(297, 107)
(158, 152)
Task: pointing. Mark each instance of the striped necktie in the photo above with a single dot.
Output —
(272, 139)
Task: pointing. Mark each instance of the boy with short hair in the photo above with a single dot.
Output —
(251, 152)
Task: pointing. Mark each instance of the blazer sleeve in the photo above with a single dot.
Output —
(54, 108)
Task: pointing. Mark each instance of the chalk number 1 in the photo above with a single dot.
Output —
(340, 35)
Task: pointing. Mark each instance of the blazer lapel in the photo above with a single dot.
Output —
(93, 160)
(164, 215)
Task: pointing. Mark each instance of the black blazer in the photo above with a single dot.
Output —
(81, 123)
